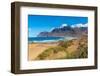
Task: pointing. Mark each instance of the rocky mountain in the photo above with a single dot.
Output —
(65, 31)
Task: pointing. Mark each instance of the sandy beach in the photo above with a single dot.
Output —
(76, 48)
(35, 49)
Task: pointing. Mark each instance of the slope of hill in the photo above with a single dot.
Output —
(72, 49)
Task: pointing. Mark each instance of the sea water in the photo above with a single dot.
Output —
(44, 39)
(47, 39)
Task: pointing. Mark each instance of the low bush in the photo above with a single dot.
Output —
(65, 44)
(51, 51)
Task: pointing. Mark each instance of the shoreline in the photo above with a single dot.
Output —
(50, 40)
(64, 49)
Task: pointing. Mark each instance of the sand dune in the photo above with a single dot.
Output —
(76, 48)
(35, 49)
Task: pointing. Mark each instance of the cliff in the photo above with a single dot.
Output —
(64, 31)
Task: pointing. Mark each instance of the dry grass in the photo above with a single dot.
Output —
(76, 48)
(35, 49)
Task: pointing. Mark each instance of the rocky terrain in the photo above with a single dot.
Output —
(64, 31)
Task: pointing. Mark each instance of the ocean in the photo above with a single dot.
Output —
(44, 39)
(47, 39)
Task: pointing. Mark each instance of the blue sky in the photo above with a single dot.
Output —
(40, 23)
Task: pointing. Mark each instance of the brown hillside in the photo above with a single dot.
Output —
(76, 48)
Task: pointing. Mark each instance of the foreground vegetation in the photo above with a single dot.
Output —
(78, 49)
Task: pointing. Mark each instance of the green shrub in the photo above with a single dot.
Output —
(80, 52)
(50, 51)
(83, 52)
(65, 44)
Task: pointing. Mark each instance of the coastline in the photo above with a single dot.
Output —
(66, 49)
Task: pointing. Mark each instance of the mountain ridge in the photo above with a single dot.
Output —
(65, 30)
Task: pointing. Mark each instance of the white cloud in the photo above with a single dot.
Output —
(79, 25)
(73, 26)
(31, 32)
(63, 25)
(86, 25)
(52, 28)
